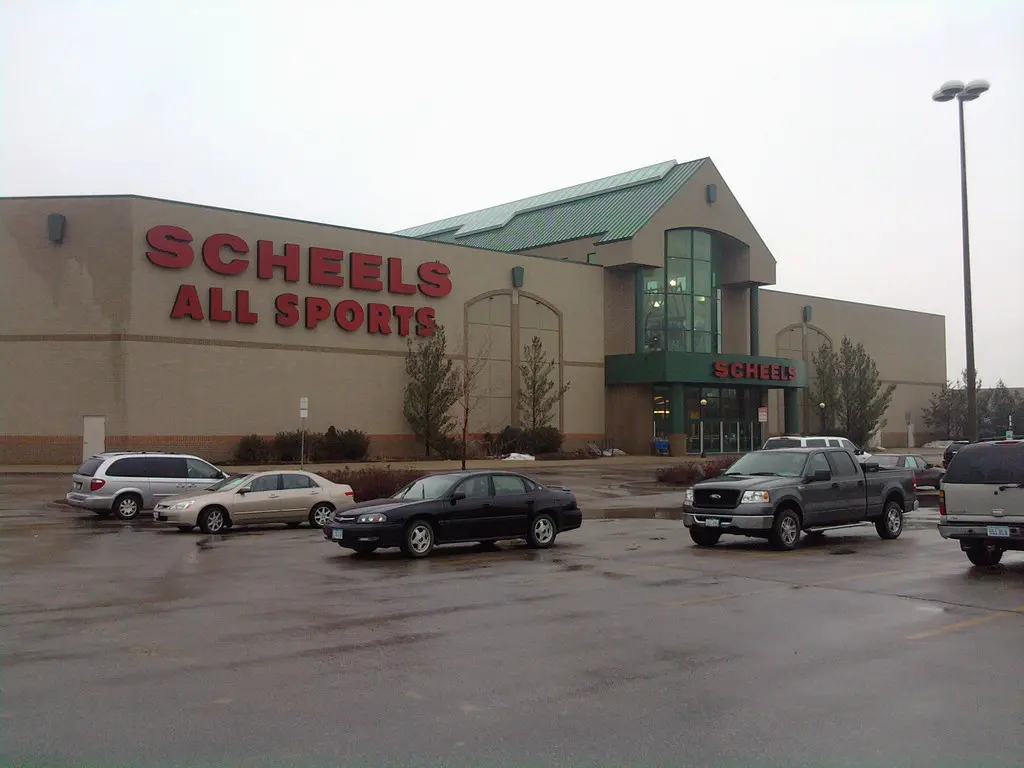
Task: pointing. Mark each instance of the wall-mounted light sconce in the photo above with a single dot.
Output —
(55, 225)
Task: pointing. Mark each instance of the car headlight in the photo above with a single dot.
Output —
(182, 505)
(688, 496)
(755, 497)
(372, 517)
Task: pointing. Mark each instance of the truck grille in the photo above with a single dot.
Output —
(716, 498)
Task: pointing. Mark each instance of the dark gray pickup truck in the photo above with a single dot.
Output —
(777, 494)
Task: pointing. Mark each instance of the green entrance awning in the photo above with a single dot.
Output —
(700, 368)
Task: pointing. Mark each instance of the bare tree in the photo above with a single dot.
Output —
(470, 389)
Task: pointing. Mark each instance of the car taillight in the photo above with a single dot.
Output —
(95, 485)
(349, 493)
(942, 503)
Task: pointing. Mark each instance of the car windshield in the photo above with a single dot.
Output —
(887, 461)
(433, 487)
(229, 484)
(770, 463)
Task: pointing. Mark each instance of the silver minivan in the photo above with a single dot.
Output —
(126, 483)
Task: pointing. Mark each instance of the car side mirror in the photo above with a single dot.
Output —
(858, 451)
(929, 465)
(458, 496)
(242, 491)
(224, 475)
(870, 466)
(820, 476)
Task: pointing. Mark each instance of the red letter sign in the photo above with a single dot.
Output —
(170, 246)
(267, 261)
(325, 267)
(395, 282)
(211, 254)
(434, 281)
(187, 304)
(366, 272)
(287, 306)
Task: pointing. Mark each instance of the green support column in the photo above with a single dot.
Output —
(792, 414)
(755, 320)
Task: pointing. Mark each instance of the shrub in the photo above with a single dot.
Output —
(373, 482)
(347, 445)
(509, 440)
(253, 449)
(541, 440)
(448, 448)
(288, 445)
(691, 472)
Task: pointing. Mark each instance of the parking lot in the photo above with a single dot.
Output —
(623, 645)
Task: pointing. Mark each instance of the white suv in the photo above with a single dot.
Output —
(815, 441)
(981, 502)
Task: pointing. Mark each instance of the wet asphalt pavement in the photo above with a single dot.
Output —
(624, 645)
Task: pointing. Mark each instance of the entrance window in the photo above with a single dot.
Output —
(662, 412)
(680, 308)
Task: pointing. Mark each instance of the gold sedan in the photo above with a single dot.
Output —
(290, 496)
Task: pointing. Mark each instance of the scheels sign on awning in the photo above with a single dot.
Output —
(759, 371)
(227, 255)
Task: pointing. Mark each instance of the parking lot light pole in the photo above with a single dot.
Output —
(703, 404)
(824, 426)
(955, 89)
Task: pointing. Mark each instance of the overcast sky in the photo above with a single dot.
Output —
(390, 113)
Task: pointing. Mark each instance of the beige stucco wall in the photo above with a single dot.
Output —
(86, 326)
(908, 347)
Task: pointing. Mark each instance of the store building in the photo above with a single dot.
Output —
(131, 322)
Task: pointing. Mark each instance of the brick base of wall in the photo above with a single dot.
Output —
(21, 450)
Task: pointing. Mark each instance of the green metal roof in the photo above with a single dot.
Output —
(612, 208)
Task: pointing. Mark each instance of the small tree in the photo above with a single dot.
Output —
(850, 386)
(431, 390)
(539, 394)
(945, 412)
(1003, 403)
(469, 390)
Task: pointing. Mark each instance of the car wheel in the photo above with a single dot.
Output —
(184, 528)
(320, 515)
(418, 539)
(127, 507)
(890, 524)
(702, 537)
(365, 548)
(213, 520)
(542, 532)
(986, 555)
(785, 534)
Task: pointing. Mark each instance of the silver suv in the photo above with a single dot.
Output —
(981, 502)
(127, 483)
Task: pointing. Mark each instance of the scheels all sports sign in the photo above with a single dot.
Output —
(326, 268)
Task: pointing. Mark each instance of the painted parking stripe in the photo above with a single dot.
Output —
(968, 623)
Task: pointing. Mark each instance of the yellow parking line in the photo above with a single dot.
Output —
(966, 624)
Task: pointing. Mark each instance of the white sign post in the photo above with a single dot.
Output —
(303, 415)
(762, 419)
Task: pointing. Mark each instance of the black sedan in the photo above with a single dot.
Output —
(473, 506)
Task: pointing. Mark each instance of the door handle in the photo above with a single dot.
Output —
(273, 495)
(860, 483)
(835, 486)
(486, 505)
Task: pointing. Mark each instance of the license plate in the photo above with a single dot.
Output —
(78, 486)
(711, 522)
(337, 534)
(156, 515)
(998, 531)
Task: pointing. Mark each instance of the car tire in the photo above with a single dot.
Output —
(702, 537)
(365, 548)
(213, 520)
(890, 525)
(542, 531)
(320, 514)
(418, 538)
(785, 533)
(128, 506)
(984, 556)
